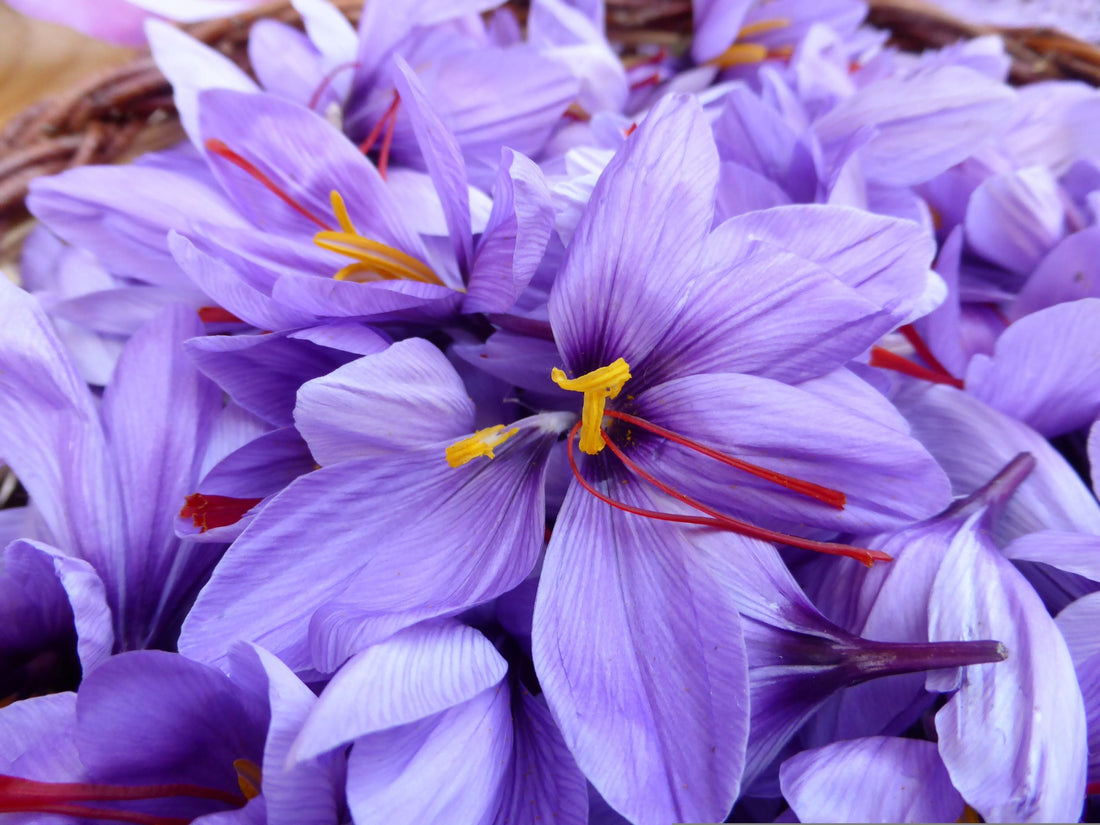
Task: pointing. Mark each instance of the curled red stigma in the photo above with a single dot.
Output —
(713, 518)
(327, 80)
(388, 122)
(826, 495)
(207, 512)
(887, 360)
(221, 150)
(18, 795)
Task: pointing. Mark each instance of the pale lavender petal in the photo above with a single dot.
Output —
(285, 62)
(716, 25)
(1045, 369)
(923, 124)
(515, 238)
(1077, 553)
(1016, 218)
(1013, 736)
(1070, 271)
(879, 779)
(460, 754)
(191, 67)
(393, 536)
(413, 675)
(410, 394)
(443, 157)
(36, 740)
(654, 707)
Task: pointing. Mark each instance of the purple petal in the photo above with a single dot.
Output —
(163, 718)
(1013, 736)
(413, 675)
(654, 707)
(646, 220)
(285, 62)
(461, 754)
(263, 373)
(515, 238)
(1070, 271)
(157, 413)
(409, 391)
(1045, 369)
(443, 157)
(393, 536)
(716, 26)
(83, 590)
(546, 784)
(1016, 218)
(923, 124)
(36, 740)
(296, 794)
(880, 779)
(52, 438)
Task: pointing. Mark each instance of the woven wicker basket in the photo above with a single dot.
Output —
(128, 110)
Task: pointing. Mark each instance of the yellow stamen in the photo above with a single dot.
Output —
(762, 26)
(597, 386)
(740, 54)
(479, 444)
(248, 777)
(383, 262)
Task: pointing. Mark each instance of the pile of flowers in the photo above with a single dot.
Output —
(472, 422)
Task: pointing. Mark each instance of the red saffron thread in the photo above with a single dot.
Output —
(221, 150)
(713, 518)
(826, 495)
(207, 512)
(388, 121)
(217, 315)
(887, 360)
(327, 80)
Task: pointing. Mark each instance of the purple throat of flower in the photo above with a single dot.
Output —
(18, 795)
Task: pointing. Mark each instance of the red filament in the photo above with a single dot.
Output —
(18, 795)
(327, 80)
(387, 122)
(892, 361)
(713, 518)
(922, 349)
(208, 512)
(826, 495)
(221, 150)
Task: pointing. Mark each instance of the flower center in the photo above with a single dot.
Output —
(373, 260)
(597, 386)
(479, 444)
(741, 54)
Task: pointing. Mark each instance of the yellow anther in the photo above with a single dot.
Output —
(762, 26)
(597, 386)
(740, 54)
(248, 777)
(374, 261)
(480, 443)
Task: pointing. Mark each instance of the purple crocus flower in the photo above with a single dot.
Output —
(715, 364)
(106, 479)
(161, 739)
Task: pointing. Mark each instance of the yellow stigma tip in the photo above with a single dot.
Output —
(597, 386)
(479, 444)
(248, 777)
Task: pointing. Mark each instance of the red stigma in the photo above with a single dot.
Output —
(711, 518)
(651, 80)
(387, 122)
(217, 315)
(935, 372)
(19, 795)
(221, 150)
(630, 131)
(208, 512)
(326, 81)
